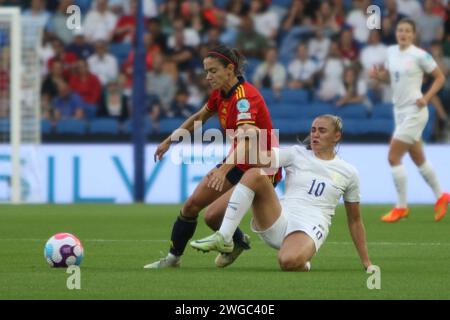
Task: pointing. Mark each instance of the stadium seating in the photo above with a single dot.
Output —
(4, 125)
(127, 126)
(104, 126)
(166, 126)
(71, 127)
(46, 126)
(352, 111)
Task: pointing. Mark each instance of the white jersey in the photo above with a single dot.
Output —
(314, 186)
(406, 69)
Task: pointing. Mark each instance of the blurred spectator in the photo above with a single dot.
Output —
(161, 85)
(191, 37)
(114, 103)
(68, 104)
(318, 46)
(249, 42)
(213, 16)
(410, 8)
(235, 9)
(100, 22)
(325, 18)
(375, 53)
(357, 19)
(103, 64)
(37, 13)
(332, 74)
(348, 47)
(430, 26)
(270, 73)
(151, 49)
(68, 59)
(79, 46)
(353, 89)
(49, 89)
(58, 22)
(125, 28)
(266, 22)
(180, 53)
(180, 107)
(295, 16)
(159, 39)
(301, 70)
(85, 83)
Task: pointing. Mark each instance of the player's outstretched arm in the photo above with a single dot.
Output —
(357, 231)
(202, 115)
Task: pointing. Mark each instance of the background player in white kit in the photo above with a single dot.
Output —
(297, 225)
(404, 69)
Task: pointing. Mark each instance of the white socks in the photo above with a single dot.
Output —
(240, 201)
(427, 172)
(399, 175)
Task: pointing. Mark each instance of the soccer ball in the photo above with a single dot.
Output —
(63, 250)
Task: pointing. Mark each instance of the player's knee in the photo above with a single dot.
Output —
(393, 159)
(291, 262)
(252, 177)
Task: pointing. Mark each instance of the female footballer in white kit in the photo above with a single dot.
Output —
(297, 225)
(404, 69)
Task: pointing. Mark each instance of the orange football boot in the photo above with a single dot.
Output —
(441, 206)
(395, 214)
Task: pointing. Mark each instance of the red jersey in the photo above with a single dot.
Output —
(243, 104)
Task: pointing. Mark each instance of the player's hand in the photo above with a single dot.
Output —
(216, 179)
(162, 148)
(377, 71)
(421, 102)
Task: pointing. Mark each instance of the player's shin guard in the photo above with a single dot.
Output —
(183, 230)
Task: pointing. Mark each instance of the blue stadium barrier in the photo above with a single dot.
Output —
(127, 126)
(269, 96)
(170, 124)
(294, 96)
(71, 126)
(4, 125)
(383, 111)
(292, 126)
(352, 111)
(46, 126)
(105, 126)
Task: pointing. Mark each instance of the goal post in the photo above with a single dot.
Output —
(11, 50)
(20, 132)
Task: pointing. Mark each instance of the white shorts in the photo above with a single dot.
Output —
(288, 223)
(409, 126)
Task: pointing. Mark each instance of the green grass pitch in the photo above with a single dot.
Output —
(413, 255)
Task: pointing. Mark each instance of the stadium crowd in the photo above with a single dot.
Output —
(319, 50)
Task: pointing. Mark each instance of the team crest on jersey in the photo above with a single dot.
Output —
(243, 105)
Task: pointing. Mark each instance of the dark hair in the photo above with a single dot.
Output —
(228, 56)
(408, 21)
